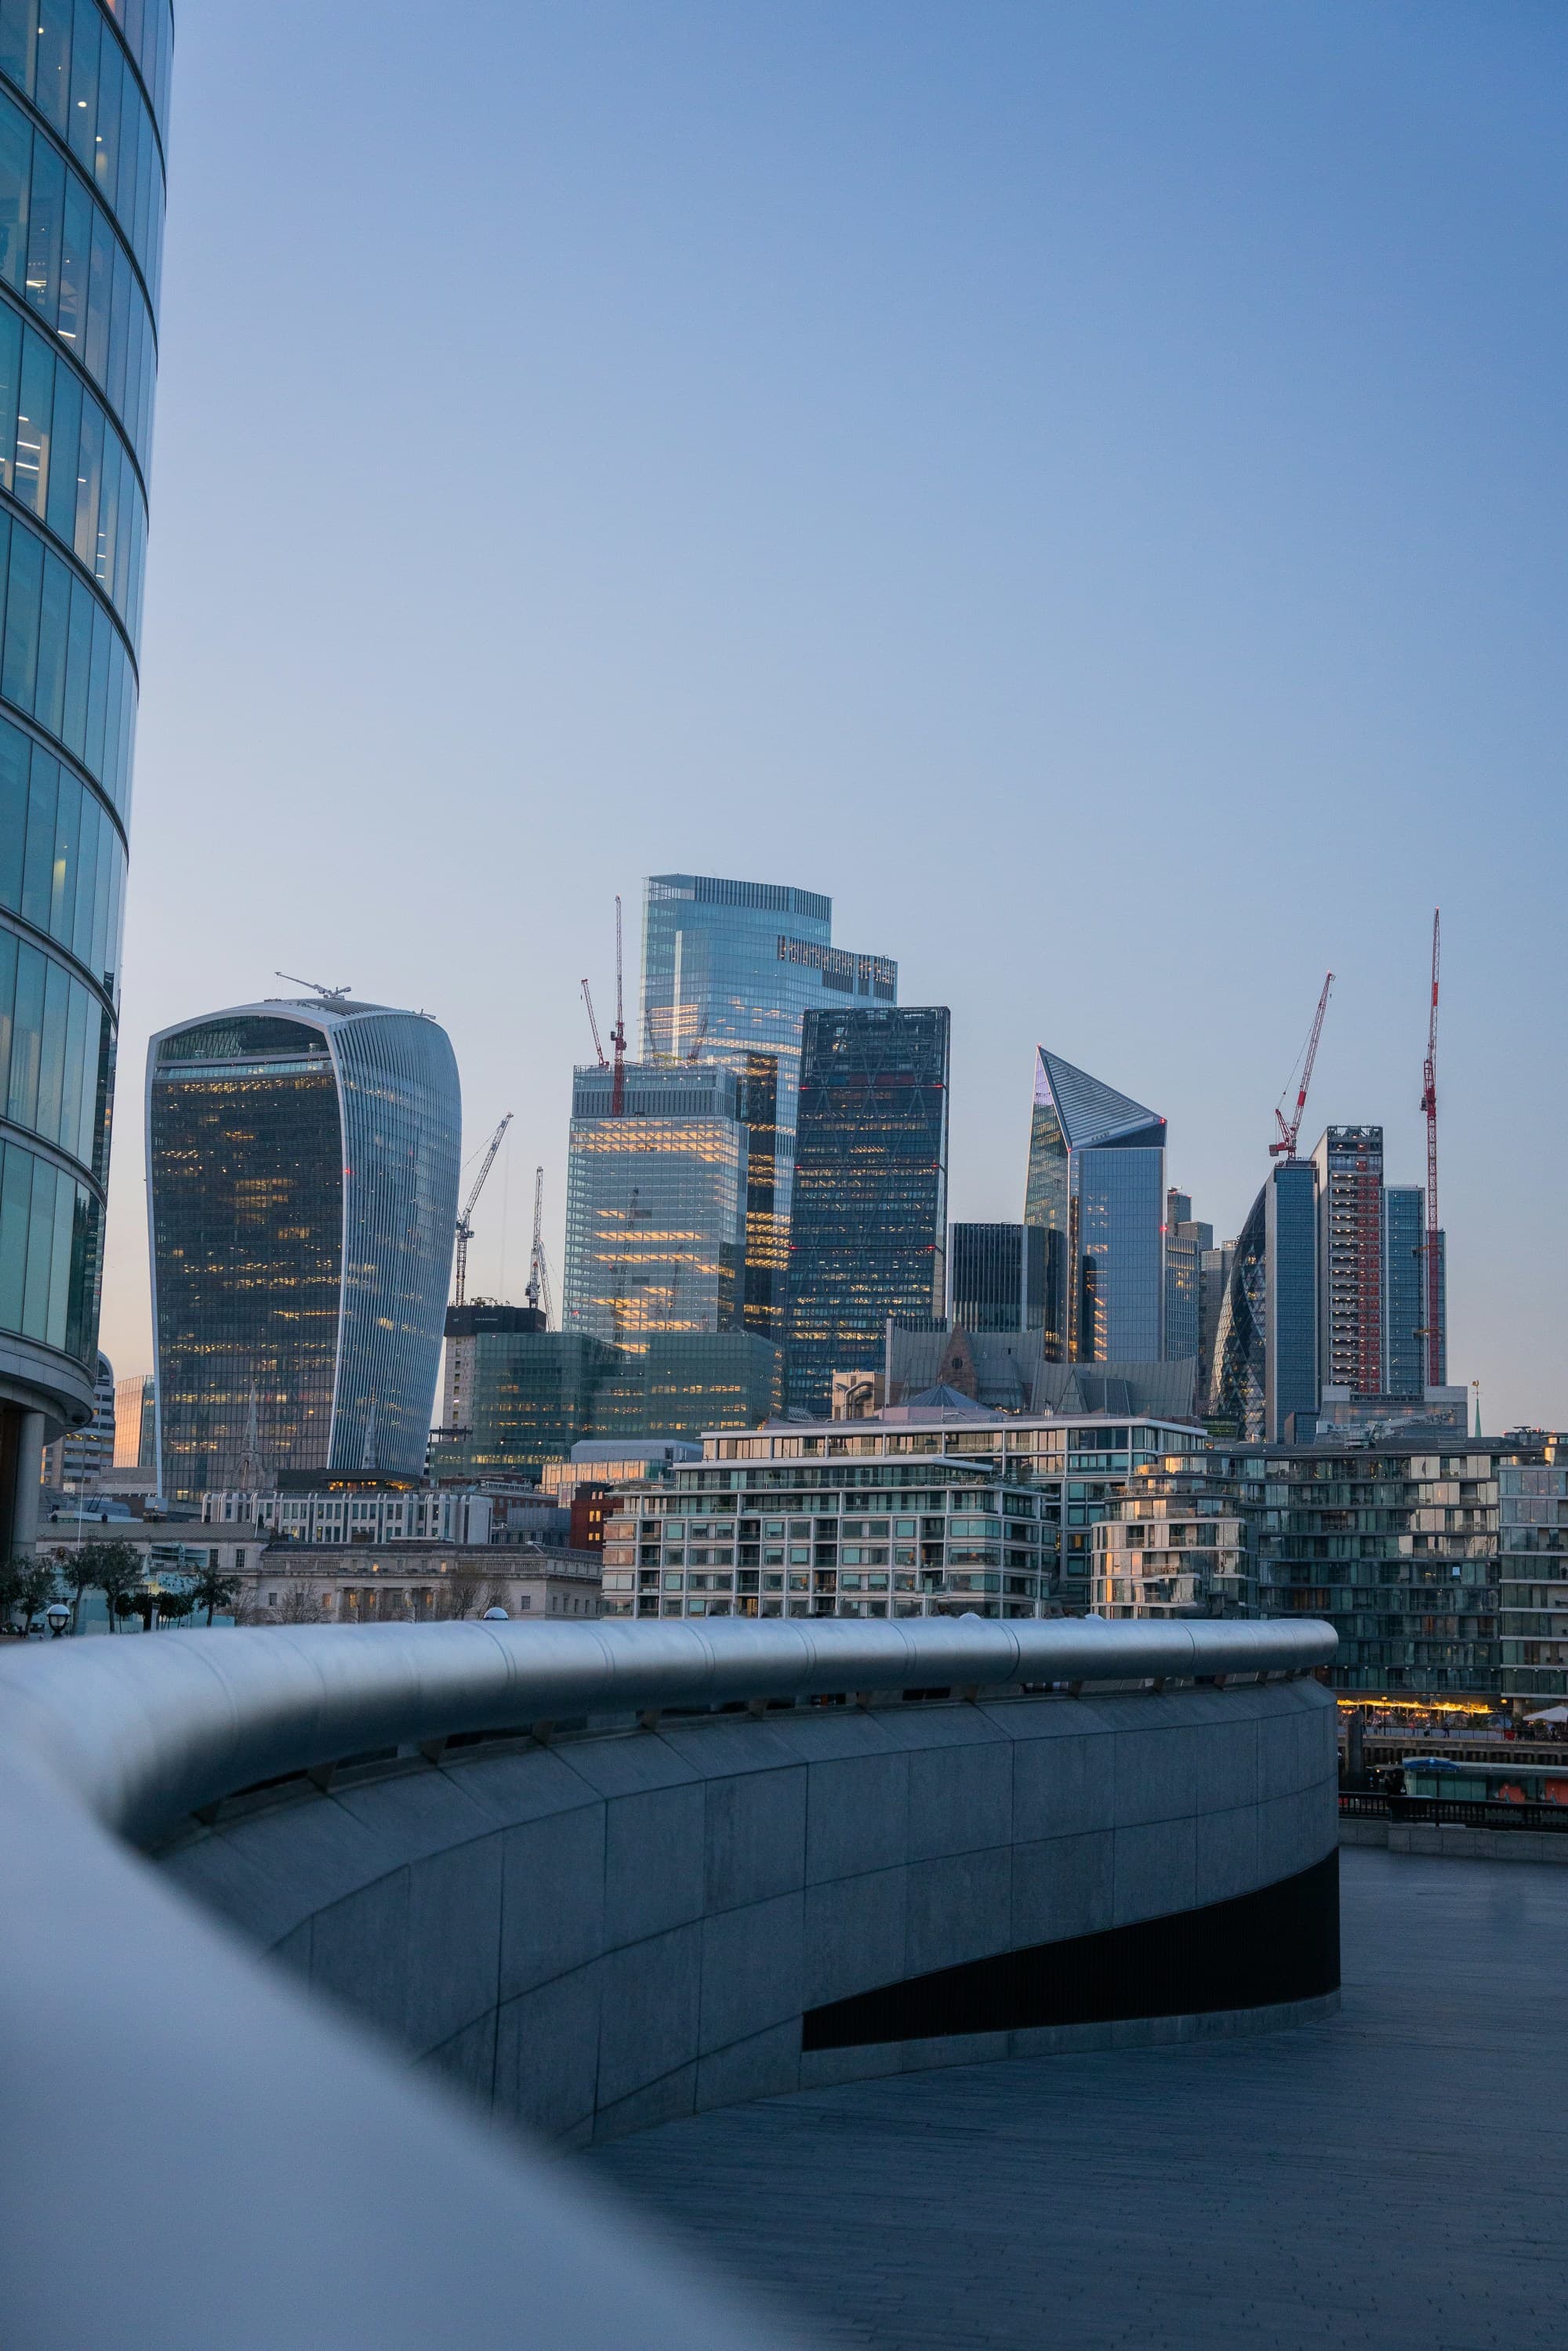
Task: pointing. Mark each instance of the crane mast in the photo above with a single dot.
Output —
(588, 1000)
(538, 1291)
(465, 1221)
(1430, 1109)
(1289, 1130)
(618, 1034)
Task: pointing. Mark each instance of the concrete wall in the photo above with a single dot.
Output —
(613, 1930)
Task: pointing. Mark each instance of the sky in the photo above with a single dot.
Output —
(1083, 486)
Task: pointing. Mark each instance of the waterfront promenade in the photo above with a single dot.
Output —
(1387, 2179)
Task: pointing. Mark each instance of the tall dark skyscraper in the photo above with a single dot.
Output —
(1267, 1347)
(996, 1276)
(1188, 1241)
(302, 1196)
(1405, 1292)
(83, 101)
(1096, 1187)
(869, 1231)
(730, 970)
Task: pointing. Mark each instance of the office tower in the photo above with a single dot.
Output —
(1213, 1275)
(729, 971)
(1096, 1187)
(1405, 1292)
(1266, 1344)
(135, 1422)
(83, 97)
(302, 1196)
(516, 1395)
(869, 1229)
(78, 1460)
(1186, 1241)
(684, 1382)
(1349, 1164)
(996, 1276)
(655, 1202)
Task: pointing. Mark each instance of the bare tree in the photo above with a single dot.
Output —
(459, 1595)
(300, 1605)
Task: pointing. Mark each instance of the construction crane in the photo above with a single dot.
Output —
(1289, 1130)
(1434, 1329)
(465, 1221)
(618, 1034)
(538, 1291)
(317, 987)
(588, 1000)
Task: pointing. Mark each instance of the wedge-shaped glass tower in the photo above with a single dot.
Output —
(1096, 1187)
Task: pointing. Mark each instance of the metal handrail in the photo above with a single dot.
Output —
(145, 1735)
(196, 2152)
(1455, 1812)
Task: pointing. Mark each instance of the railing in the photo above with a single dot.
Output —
(1456, 1813)
(195, 2152)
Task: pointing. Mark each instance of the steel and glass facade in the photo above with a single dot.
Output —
(996, 1276)
(302, 1196)
(867, 1235)
(1349, 1164)
(730, 970)
(655, 1202)
(1096, 1187)
(1405, 1293)
(1188, 1240)
(83, 104)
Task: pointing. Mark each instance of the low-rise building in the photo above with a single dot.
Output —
(1179, 1541)
(936, 1508)
(419, 1582)
(361, 1511)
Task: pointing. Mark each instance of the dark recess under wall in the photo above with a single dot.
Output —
(1280, 1943)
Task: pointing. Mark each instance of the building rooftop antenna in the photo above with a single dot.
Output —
(316, 988)
(1290, 1128)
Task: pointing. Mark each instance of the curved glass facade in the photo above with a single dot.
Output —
(83, 102)
(1239, 1395)
(302, 1193)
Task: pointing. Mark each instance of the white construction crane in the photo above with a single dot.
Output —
(465, 1221)
(538, 1291)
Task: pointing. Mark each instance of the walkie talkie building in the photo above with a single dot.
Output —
(83, 103)
(302, 1198)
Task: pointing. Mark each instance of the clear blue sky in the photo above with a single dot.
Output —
(1082, 485)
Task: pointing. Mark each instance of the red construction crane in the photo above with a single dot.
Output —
(1289, 1130)
(1434, 1331)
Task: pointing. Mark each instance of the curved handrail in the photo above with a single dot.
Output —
(145, 1733)
(201, 2157)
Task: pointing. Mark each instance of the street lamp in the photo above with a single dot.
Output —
(57, 1615)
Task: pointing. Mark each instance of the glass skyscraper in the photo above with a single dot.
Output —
(996, 1276)
(1188, 1241)
(729, 971)
(1267, 1347)
(302, 1197)
(1096, 1187)
(83, 102)
(869, 1228)
(1405, 1292)
(655, 1202)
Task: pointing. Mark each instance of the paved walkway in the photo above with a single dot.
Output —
(1391, 2178)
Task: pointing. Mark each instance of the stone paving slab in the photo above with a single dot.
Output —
(1388, 2179)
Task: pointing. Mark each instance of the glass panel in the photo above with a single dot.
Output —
(97, 697)
(73, 725)
(40, 1253)
(22, 1099)
(68, 849)
(19, 662)
(51, 88)
(106, 140)
(14, 755)
(10, 364)
(72, 1137)
(15, 1199)
(46, 205)
(52, 1051)
(34, 412)
(94, 824)
(81, 1316)
(8, 996)
(16, 176)
(63, 489)
(18, 37)
(109, 315)
(38, 871)
(70, 318)
(89, 486)
(82, 120)
(53, 631)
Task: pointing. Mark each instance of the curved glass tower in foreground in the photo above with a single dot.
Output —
(83, 102)
(302, 1198)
